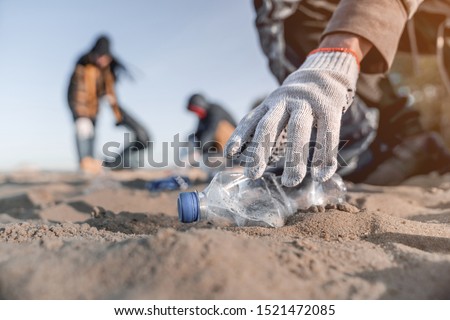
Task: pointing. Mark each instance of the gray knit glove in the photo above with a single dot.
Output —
(317, 94)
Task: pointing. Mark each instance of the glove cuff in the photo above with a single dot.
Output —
(346, 50)
(333, 59)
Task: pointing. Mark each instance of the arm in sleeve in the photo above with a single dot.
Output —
(207, 132)
(381, 22)
(77, 95)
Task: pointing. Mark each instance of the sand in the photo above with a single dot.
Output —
(69, 236)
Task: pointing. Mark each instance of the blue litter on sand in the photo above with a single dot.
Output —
(169, 184)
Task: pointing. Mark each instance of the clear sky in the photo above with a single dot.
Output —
(174, 48)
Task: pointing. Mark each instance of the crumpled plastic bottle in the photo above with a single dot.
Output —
(233, 199)
(312, 193)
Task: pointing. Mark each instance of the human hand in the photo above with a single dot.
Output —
(317, 94)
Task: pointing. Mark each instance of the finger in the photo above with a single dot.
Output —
(324, 162)
(244, 130)
(279, 148)
(266, 133)
(299, 136)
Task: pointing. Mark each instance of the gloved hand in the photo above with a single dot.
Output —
(318, 93)
(84, 128)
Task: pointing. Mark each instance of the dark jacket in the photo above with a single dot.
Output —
(215, 124)
(209, 127)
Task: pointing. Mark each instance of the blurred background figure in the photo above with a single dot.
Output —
(215, 126)
(94, 78)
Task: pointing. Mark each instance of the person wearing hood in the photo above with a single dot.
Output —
(215, 124)
(94, 78)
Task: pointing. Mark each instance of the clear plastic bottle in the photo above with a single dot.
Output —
(233, 199)
(312, 193)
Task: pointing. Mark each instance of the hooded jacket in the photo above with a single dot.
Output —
(215, 124)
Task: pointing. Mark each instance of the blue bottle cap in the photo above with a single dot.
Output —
(188, 207)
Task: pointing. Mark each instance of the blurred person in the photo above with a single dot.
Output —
(330, 55)
(94, 77)
(215, 126)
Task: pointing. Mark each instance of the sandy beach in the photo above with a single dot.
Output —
(69, 236)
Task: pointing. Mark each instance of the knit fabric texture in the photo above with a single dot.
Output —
(317, 94)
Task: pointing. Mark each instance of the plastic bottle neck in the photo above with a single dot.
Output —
(203, 205)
